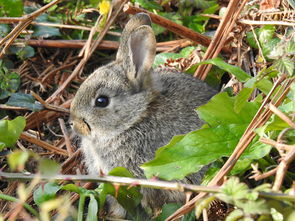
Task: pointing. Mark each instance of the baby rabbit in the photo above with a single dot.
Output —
(125, 110)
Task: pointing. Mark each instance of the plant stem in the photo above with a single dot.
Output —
(25, 205)
(81, 207)
(126, 181)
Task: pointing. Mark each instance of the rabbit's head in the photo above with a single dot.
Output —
(117, 95)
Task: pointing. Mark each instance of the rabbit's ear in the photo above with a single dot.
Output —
(141, 54)
(135, 22)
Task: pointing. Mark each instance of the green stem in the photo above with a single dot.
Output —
(81, 207)
(25, 205)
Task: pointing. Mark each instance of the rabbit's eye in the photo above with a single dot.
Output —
(102, 101)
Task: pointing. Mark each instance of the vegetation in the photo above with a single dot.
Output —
(248, 138)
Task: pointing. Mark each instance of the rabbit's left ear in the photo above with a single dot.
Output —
(141, 54)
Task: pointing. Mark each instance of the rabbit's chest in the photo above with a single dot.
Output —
(94, 161)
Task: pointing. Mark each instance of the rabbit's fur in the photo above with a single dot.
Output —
(146, 109)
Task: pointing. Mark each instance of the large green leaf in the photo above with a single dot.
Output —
(10, 131)
(186, 154)
(234, 70)
(189, 153)
(220, 110)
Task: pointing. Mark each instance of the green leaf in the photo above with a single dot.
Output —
(92, 209)
(233, 191)
(234, 70)
(4, 29)
(189, 153)
(45, 192)
(203, 204)
(46, 32)
(169, 209)
(150, 5)
(17, 159)
(285, 65)
(219, 110)
(24, 100)
(49, 167)
(10, 131)
(235, 215)
(242, 98)
(266, 33)
(12, 8)
(128, 197)
(73, 188)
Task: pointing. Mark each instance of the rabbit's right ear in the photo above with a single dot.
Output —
(140, 56)
(135, 22)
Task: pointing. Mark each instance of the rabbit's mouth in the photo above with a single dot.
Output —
(81, 127)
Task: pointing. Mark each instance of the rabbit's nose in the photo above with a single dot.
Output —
(81, 127)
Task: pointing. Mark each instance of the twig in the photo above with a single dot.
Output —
(126, 181)
(24, 23)
(281, 115)
(282, 169)
(251, 22)
(172, 26)
(49, 106)
(43, 144)
(66, 136)
(277, 145)
(227, 22)
(264, 175)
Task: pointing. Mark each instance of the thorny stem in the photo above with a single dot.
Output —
(25, 205)
(157, 184)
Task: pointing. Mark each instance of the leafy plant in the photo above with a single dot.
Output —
(9, 81)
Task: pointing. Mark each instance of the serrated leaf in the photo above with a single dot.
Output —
(219, 110)
(233, 191)
(234, 70)
(285, 65)
(128, 197)
(167, 210)
(10, 131)
(49, 167)
(24, 100)
(45, 192)
(242, 98)
(266, 33)
(17, 159)
(92, 209)
(290, 47)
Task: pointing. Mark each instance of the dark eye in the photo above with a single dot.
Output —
(102, 101)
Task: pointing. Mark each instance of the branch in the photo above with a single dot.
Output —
(172, 26)
(126, 181)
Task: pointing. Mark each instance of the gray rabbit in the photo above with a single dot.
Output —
(125, 110)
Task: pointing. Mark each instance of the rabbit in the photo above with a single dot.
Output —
(124, 111)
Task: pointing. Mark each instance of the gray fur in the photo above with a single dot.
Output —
(147, 108)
